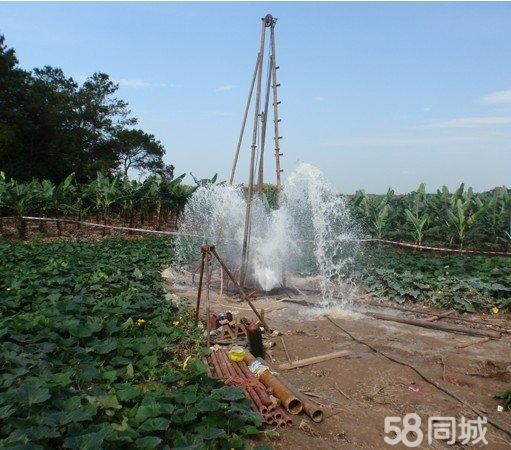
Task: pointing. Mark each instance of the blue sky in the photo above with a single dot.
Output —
(374, 94)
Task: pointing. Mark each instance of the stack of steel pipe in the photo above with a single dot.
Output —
(238, 374)
(287, 397)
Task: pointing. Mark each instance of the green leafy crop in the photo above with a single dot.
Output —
(90, 357)
(464, 282)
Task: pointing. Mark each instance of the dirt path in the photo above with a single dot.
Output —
(360, 390)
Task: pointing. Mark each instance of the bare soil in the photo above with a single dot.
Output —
(360, 390)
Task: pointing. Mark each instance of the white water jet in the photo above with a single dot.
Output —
(310, 233)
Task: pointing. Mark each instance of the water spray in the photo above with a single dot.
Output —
(310, 227)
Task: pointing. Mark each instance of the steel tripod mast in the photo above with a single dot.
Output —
(259, 129)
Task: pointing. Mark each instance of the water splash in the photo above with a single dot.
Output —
(324, 221)
(310, 234)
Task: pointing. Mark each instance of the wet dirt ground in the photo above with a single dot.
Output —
(360, 390)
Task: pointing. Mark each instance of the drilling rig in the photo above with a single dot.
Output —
(266, 60)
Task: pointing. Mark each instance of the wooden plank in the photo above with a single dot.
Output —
(313, 360)
(437, 326)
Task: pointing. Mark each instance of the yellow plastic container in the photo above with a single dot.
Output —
(236, 353)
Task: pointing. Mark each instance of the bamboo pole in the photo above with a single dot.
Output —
(470, 343)
(264, 121)
(250, 189)
(245, 115)
(313, 360)
(276, 119)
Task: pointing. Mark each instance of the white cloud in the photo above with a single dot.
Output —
(225, 88)
(497, 97)
(469, 122)
(318, 98)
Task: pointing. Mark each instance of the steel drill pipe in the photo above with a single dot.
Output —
(256, 404)
(223, 372)
(310, 408)
(248, 390)
(262, 409)
(216, 365)
(270, 419)
(222, 365)
(281, 423)
(251, 390)
(249, 393)
(282, 392)
(285, 415)
(261, 390)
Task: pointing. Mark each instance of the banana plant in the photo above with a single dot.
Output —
(177, 194)
(507, 233)
(461, 218)
(20, 198)
(375, 211)
(46, 201)
(65, 199)
(105, 194)
(418, 223)
(494, 214)
(416, 213)
(131, 199)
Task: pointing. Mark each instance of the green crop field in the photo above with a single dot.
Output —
(94, 356)
(467, 283)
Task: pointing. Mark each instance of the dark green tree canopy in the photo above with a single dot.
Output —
(51, 126)
(138, 150)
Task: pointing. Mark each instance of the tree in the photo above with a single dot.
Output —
(100, 117)
(13, 87)
(138, 150)
(50, 126)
